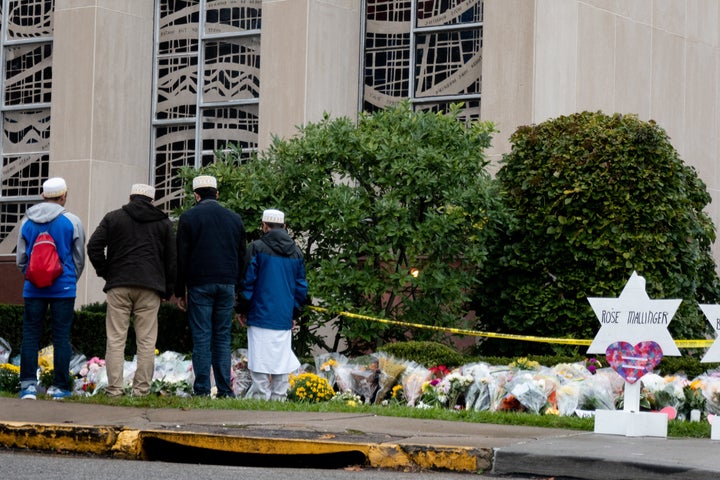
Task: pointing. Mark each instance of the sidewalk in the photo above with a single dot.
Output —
(335, 440)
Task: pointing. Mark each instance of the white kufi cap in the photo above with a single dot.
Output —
(54, 187)
(204, 181)
(143, 189)
(273, 216)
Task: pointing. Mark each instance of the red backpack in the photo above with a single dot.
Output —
(45, 265)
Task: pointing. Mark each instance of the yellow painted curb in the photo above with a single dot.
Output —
(391, 456)
(58, 438)
(127, 443)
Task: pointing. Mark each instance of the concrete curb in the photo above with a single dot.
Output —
(127, 443)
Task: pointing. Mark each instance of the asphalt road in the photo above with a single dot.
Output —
(24, 465)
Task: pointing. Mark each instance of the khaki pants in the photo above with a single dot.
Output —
(121, 303)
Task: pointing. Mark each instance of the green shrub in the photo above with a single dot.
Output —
(393, 211)
(595, 197)
(88, 330)
(426, 353)
(690, 366)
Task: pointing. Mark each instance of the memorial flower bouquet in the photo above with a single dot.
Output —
(523, 363)
(453, 386)
(239, 373)
(430, 396)
(412, 380)
(326, 365)
(309, 387)
(592, 365)
(9, 378)
(477, 396)
(693, 399)
(91, 373)
(348, 398)
(711, 391)
(390, 371)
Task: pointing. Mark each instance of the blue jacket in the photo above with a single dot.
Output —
(275, 282)
(210, 246)
(69, 235)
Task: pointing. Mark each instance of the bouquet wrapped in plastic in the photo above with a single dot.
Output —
(239, 374)
(711, 391)
(4, 351)
(173, 367)
(389, 372)
(477, 396)
(567, 397)
(326, 364)
(663, 392)
(599, 391)
(497, 388)
(412, 380)
(364, 377)
(531, 392)
(92, 377)
(342, 373)
(571, 371)
(453, 387)
(173, 374)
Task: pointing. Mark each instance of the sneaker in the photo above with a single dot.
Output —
(58, 393)
(28, 393)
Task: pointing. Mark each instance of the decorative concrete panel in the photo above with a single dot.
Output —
(667, 106)
(596, 60)
(633, 68)
(556, 42)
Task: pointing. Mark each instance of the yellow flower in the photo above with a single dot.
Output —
(696, 384)
(308, 386)
(396, 391)
(10, 368)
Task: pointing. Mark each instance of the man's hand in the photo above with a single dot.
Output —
(182, 304)
(242, 319)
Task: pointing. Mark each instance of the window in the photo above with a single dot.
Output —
(26, 55)
(427, 51)
(206, 90)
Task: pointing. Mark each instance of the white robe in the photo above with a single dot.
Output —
(270, 351)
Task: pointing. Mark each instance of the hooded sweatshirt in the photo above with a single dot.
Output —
(134, 246)
(275, 283)
(69, 236)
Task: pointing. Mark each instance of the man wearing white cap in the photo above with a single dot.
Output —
(68, 235)
(133, 250)
(274, 292)
(211, 250)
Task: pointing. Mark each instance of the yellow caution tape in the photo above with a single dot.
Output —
(505, 336)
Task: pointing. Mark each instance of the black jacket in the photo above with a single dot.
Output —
(134, 246)
(210, 246)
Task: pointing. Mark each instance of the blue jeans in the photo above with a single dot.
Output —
(210, 313)
(62, 311)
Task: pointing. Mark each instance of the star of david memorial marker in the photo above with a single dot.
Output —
(634, 337)
(712, 313)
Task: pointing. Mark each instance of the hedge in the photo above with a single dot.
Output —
(88, 330)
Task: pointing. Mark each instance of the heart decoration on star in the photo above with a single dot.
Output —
(632, 362)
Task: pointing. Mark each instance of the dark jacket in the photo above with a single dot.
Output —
(210, 245)
(275, 287)
(134, 246)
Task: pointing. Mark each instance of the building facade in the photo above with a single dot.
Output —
(108, 93)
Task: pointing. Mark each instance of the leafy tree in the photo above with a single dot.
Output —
(595, 197)
(394, 215)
